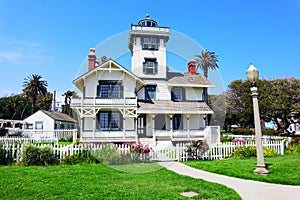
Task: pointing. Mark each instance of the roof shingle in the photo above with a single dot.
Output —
(191, 80)
(168, 106)
(59, 116)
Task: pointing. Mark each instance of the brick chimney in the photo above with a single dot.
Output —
(92, 59)
(192, 69)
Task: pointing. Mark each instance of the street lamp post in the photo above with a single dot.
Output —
(252, 75)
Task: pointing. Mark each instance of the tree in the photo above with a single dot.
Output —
(207, 60)
(66, 108)
(278, 98)
(68, 95)
(32, 86)
(218, 105)
(14, 107)
(44, 102)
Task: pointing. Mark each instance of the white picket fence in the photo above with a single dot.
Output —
(219, 151)
(63, 150)
(57, 133)
(264, 138)
(6, 139)
(166, 153)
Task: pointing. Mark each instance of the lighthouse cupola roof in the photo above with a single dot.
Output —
(147, 22)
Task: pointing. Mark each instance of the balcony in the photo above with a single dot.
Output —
(97, 102)
(157, 29)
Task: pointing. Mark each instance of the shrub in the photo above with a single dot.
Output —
(84, 157)
(226, 139)
(63, 140)
(269, 132)
(111, 156)
(77, 141)
(293, 148)
(33, 155)
(196, 149)
(47, 157)
(242, 131)
(3, 132)
(268, 152)
(6, 157)
(244, 152)
(247, 152)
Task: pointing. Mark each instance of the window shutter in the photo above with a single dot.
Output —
(98, 91)
(172, 95)
(121, 91)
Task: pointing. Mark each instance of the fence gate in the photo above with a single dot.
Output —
(168, 153)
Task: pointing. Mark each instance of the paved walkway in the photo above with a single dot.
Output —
(247, 189)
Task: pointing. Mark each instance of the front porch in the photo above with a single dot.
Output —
(210, 133)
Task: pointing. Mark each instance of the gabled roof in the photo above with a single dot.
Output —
(190, 80)
(58, 116)
(107, 65)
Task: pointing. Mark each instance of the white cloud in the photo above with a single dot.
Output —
(19, 51)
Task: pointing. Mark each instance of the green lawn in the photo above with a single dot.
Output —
(283, 169)
(102, 182)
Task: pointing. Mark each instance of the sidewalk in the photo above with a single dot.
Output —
(247, 189)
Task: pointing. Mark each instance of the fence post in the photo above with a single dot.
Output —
(74, 135)
(282, 147)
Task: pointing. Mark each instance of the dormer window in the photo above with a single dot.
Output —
(150, 92)
(150, 66)
(177, 94)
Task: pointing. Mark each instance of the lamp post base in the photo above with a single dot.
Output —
(261, 170)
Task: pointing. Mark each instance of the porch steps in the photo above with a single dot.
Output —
(146, 141)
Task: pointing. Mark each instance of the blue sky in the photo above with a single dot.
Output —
(52, 38)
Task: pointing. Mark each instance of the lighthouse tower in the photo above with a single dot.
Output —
(147, 43)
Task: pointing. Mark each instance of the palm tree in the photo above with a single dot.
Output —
(68, 94)
(207, 60)
(32, 86)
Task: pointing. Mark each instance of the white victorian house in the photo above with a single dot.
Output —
(146, 103)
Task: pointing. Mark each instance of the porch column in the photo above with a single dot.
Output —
(153, 127)
(124, 125)
(94, 127)
(188, 125)
(171, 125)
(135, 128)
(81, 128)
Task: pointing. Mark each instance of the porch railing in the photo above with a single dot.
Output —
(94, 101)
(58, 133)
(181, 133)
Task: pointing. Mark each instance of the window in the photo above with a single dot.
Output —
(104, 91)
(150, 66)
(150, 43)
(109, 120)
(149, 23)
(115, 91)
(29, 126)
(177, 94)
(177, 122)
(39, 125)
(150, 92)
(110, 89)
(104, 121)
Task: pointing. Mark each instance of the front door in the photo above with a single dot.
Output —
(141, 125)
